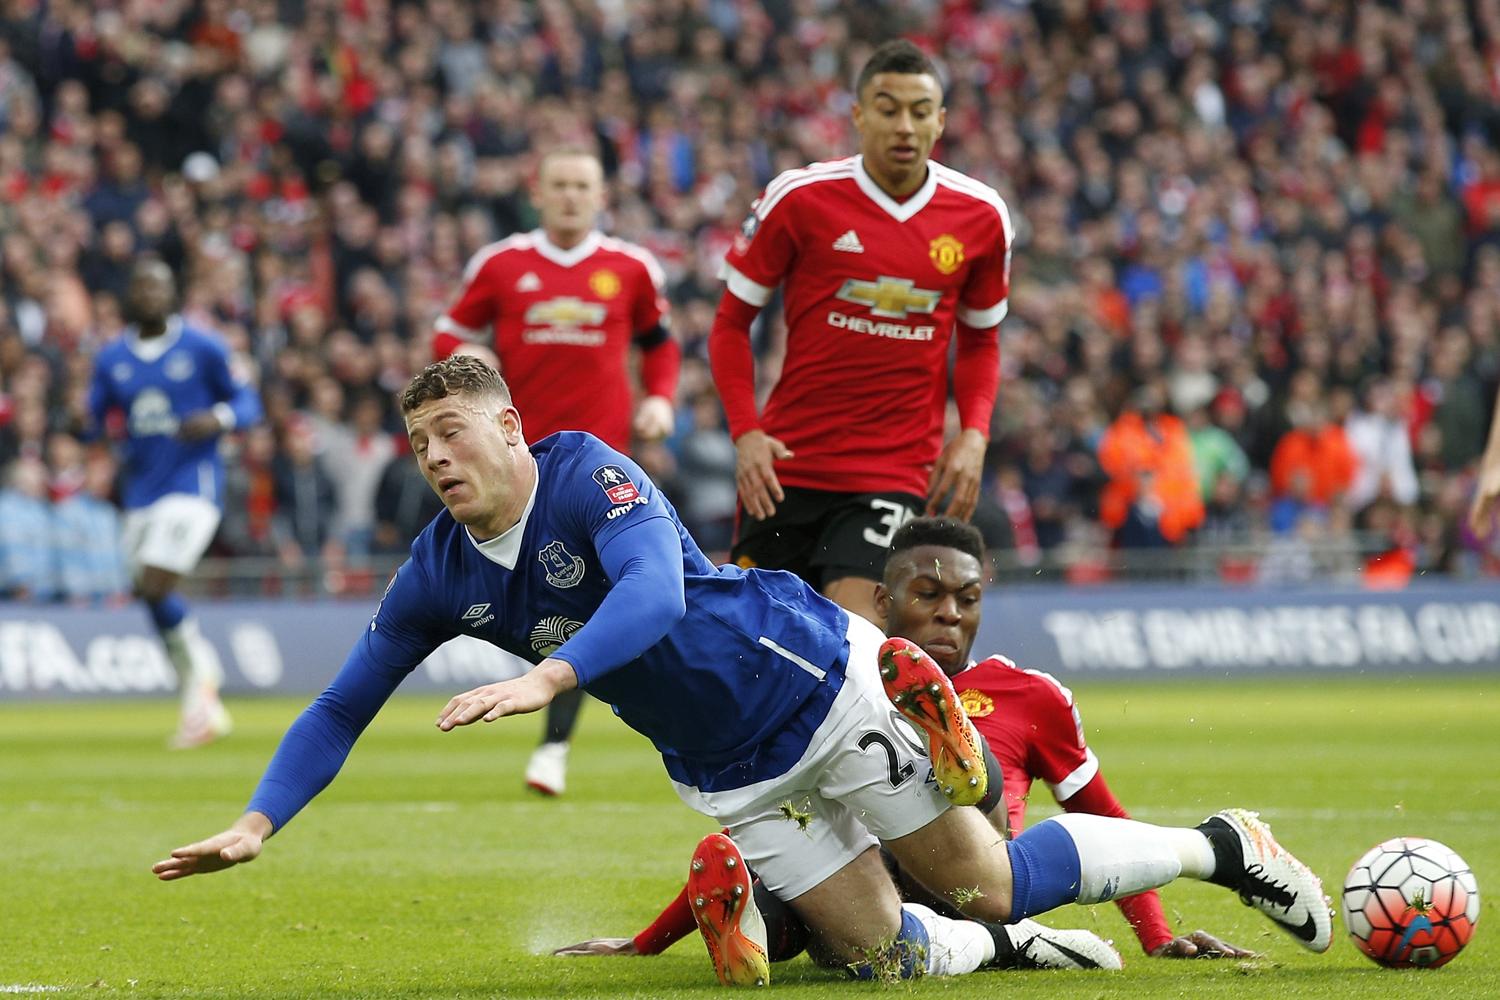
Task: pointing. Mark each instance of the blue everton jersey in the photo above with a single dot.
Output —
(756, 653)
(155, 383)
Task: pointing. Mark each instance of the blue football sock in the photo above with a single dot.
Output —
(168, 612)
(1044, 870)
(910, 948)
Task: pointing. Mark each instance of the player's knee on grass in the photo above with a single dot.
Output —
(853, 914)
(840, 947)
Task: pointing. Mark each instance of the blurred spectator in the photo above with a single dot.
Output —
(86, 538)
(305, 499)
(404, 504)
(1458, 408)
(705, 471)
(1381, 441)
(1152, 497)
(250, 500)
(27, 564)
(354, 456)
(1216, 454)
(1313, 461)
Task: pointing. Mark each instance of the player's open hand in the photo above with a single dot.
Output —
(230, 848)
(1200, 944)
(1486, 493)
(756, 455)
(653, 418)
(600, 946)
(957, 471)
(530, 692)
(199, 425)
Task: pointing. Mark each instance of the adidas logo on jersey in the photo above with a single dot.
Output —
(529, 282)
(849, 243)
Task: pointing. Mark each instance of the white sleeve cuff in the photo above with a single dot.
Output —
(983, 319)
(743, 288)
(1082, 775)
(446, 324)
(225, 413)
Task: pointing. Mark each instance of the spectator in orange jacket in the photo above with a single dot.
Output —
(1152, 496)
(1317, 449)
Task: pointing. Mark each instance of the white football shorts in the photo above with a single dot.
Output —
(865, 777)
(170, 534)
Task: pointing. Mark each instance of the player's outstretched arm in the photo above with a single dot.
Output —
(240, 843)
(958, 470)
(533, 690)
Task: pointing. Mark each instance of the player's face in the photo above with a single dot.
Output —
(570, 195)
(150, 294)
(469, 451)
(932, 597)
(899, 117)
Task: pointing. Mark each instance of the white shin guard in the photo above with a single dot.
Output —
(1121, 857)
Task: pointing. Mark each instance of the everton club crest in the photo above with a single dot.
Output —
(564, 569)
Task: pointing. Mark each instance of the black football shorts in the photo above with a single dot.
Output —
(824, 536)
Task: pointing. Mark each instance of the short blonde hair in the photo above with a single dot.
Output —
(458, 374)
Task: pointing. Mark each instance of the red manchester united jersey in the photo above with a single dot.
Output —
(1032, 727)
(872, 289)
(563, 325)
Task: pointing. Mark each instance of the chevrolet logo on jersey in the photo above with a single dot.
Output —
(566, 311)
(892, 297)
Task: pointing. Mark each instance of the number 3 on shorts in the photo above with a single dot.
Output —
(893, 516)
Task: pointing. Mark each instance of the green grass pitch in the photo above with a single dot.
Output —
(426, 870)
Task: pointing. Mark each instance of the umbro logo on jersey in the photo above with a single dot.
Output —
(849, 243)
(529, 282)
(478, 615)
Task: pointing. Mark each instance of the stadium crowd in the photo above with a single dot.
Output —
(1255, 296)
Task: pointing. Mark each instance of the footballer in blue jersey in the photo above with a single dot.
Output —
(757, 691)
(175, 390)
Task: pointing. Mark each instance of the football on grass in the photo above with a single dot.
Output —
(1411, 902)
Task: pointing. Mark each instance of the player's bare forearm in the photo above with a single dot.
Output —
(240, 843)
(530, 692)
